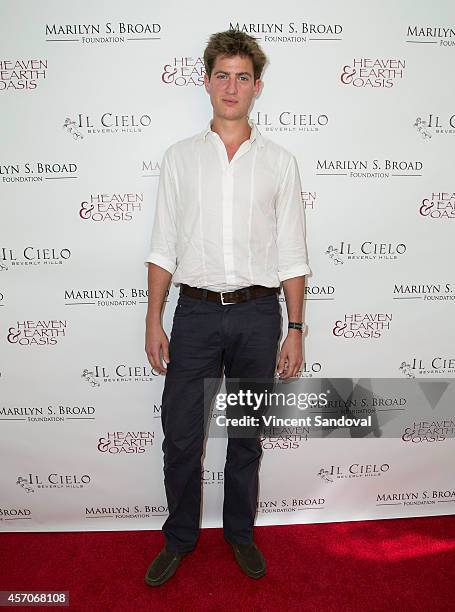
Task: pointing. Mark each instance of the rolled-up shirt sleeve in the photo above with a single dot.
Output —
(163, 251)
(291, 226)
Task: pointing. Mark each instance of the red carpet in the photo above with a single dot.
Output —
(373, 566)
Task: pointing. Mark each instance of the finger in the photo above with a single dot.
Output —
(165, 348)
(156, 361)
(281, 363)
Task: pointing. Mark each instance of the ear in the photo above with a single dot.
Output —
(258, 87)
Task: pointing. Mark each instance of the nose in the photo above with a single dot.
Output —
(232, 85)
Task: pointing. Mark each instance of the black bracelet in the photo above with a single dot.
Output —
(299, 326)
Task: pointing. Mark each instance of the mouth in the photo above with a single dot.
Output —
(229, 101)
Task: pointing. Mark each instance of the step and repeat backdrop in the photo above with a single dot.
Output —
(91, 95)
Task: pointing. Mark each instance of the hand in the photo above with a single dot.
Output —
(291, 357)
(156, 346)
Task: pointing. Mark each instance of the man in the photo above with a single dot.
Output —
(229, 227)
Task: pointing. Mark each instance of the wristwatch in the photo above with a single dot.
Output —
(294, 325)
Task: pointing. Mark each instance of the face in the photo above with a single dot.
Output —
(231, 87)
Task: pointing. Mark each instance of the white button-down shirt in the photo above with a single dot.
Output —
(224, 225)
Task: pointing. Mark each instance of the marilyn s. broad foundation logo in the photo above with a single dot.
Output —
(356, 325)
(15, 513)
(102, 33)
(369, 169)
(32, 256)
(120, 373)
(81, 125)
(48, 414)
(129, 442)
(31, 483)
(376, 72)
(184, 72)
(107, 298)
(438, 366)
(37, 172)
(415, 498)
(332, 473)
(437, 430)
(289, 504)
(319, 292)
(111, 206)
(440, 205)
(288, 121)
(37, 333)
(299, 32)
(366, 251)
(137, 511)
(22, 74)
(432, 125)
(442, 292)
(440, 36)
(150, 168)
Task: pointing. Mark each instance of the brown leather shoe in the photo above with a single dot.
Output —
(250, 559)
(163, 567)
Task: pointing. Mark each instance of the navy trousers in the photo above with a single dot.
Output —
(207, 338)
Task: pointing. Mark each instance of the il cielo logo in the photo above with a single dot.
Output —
(438, 365)
(376, 72)
(184, 71)
(36, 172)
(289, 32)
(119, 373)
(129, 442)
(102, 33)
(365, 251)
(362, 325)
(111, 206)
(440, 205)
(354, 470)
(33, 482)
(210, 476)
(106, 123)
(37, 333)
(369, 168)
(22, 74)
(289, 504)
(126, 512)
(432, 125)
(32, 256)
(415, 498)
(425, 34)
(290, 121)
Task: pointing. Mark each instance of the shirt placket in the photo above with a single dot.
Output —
(228, 206)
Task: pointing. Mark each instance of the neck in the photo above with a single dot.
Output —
(231, 132)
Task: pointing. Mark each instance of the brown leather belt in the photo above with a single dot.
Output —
(228, 297)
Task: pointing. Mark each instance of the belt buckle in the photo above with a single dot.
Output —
(222, 298)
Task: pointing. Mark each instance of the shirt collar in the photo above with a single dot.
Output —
(255, 133)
